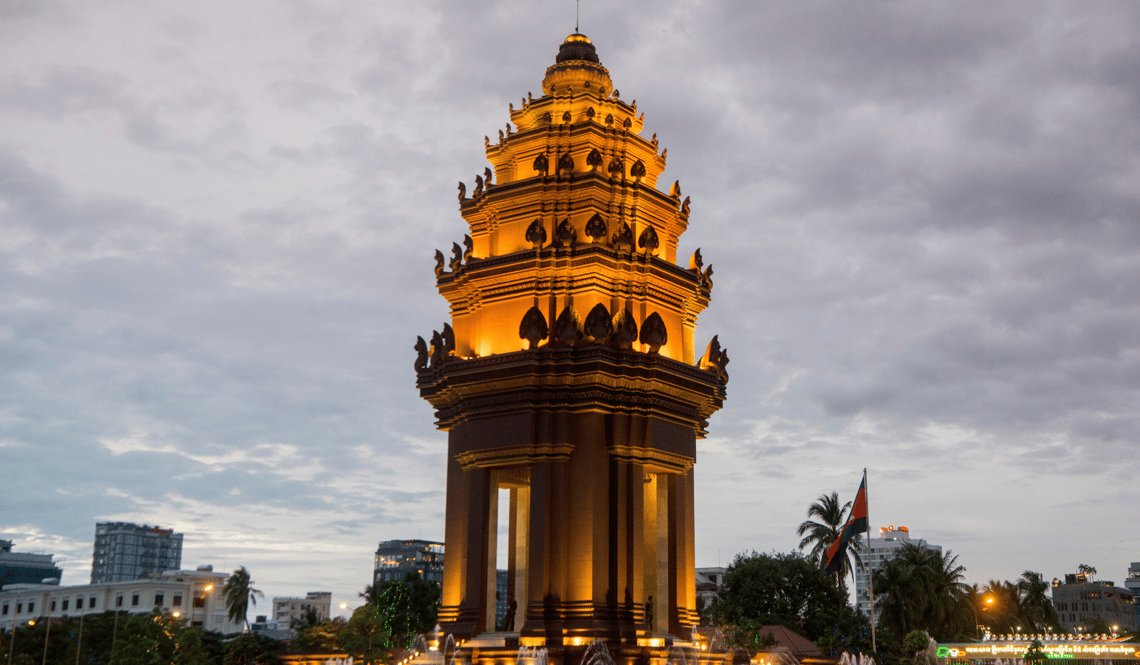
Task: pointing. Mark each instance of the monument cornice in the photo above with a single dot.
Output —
(592, 378)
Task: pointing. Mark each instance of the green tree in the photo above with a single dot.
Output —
(407, 607)
(1035, 605)
(325, 636)
(366, 637)
(253, 649)
(240, 594)
(820, 535)
(1088, 571)
(785, 589)
(921, 589)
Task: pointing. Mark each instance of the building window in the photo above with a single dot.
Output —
(91, 602)
(31, 607)
(65, 602)
(4, 611)
(199, 601)
(79, 603)
(135, 599)
(118, 601)
(53, 606)
(19, 607)
(176, 600)
(158, 598)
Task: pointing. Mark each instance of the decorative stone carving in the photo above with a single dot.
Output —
(566, 117)
(567, 329)
(468, 248)
(462, 191)
(436, 349)
(654, 140)
(590, 113)
(456, 257)
(536, 234)
(421, 354)
(596, 228)
(609, 120)
(564, 235)
(623, 237)
(598, 324)
(487, 175)
(675, 190)
(508, 129)
(627, 124)
(533, 327)
(565, 162)
(706, 278)
(616, 95)
(478, 187)
(625, 330)
(511, 107)
(648, 241)
(638, 169)
(696, 262)
(617, 167)
(541, 164)
(685, 208)
(528, 97)
(715, 359)
(633, 106)
(439, 259)
(486, 142)
(546, 117)
(653, 333)
(448, 337)
(501, 137)
(594, 159)
(665, 154)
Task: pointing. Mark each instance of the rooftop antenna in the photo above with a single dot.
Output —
(577, 11)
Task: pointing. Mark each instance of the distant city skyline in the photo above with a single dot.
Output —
(218, 222)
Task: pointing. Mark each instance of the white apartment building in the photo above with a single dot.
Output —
(288, 610)
(195, 595)
(885, 547)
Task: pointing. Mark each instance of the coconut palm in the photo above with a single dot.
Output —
(1088, 571)
(1034, 603)
(921, 589)
(820, 535)
(240, 594)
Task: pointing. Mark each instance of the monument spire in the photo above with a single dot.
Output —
(568, 376)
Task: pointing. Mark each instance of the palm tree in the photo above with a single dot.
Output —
(1088, 571)
(820, 535)
(921, 589)
(1036, 605)
(239, 595)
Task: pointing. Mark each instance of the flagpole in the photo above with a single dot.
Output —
(870, 576)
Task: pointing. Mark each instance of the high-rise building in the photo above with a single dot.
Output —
(125, 551)
(887, 546)
(397, 558)
(1132, 583)
(26, 567)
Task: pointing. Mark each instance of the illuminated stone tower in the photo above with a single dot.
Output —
(568, 375)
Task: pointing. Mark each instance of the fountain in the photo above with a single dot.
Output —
(676, 656)
(597, 654)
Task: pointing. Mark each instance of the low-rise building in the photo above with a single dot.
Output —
(709, 581)
(195, 595)
(287, 611)
(1079, 601)
(26, 567)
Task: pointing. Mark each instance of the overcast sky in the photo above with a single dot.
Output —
(217, 222)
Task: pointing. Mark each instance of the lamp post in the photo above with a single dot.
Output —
(47, 638)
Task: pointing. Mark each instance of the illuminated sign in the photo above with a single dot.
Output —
(1085, 650)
